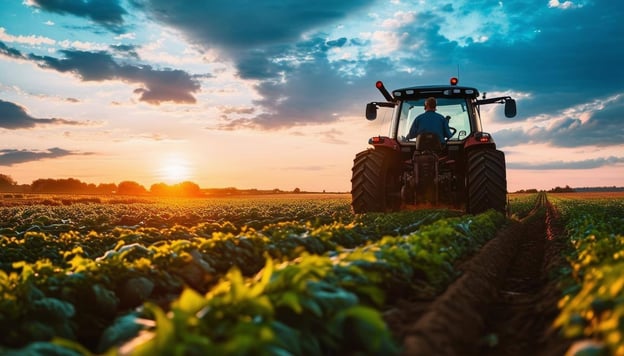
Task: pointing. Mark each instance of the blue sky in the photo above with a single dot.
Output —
(271, 94)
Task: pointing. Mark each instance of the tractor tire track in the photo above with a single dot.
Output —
(502, 304)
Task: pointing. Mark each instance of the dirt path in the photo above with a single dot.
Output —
(503, 304)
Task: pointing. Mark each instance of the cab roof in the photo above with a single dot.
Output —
(439, 91)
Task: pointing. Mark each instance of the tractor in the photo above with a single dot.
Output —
(466, 172)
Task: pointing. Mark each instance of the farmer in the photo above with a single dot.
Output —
(430, 121)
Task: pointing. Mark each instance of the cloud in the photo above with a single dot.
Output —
(9, 157)
(592, 124)
(10, 52)
(563, 5)
(107, 13)
(333, 136)
(29, 40)
(157, 85)
(583, 164)
(237, 25)
(13, 116)
(128, 50)
(559, 56)
(314, 90)
(275, 43)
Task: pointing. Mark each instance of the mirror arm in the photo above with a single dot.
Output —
(500, 100)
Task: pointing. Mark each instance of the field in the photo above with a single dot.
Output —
(302, 275)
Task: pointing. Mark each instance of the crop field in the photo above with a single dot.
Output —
(303, 275)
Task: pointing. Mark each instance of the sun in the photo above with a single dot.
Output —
(174, 170)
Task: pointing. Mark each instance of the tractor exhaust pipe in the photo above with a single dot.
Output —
(384, 91)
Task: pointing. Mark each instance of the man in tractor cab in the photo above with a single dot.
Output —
(430, 121)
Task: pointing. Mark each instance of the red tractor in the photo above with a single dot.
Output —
(467, 172)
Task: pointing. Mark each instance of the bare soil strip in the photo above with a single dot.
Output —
(503, 303)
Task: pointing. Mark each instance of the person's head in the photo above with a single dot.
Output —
(430, 103)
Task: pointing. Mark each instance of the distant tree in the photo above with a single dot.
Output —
(160, 189)
(73, 185)
(130, 188)
(40, 185)
(69, 185)
(185, 189)
(297, 191)
(106, 188)
(189, 189)
(558, 189)
(526, 191)
(6, 182)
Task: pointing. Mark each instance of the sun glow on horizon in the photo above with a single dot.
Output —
(174, 169)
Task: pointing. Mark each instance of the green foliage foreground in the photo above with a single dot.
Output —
(593, 301)
(312, 286)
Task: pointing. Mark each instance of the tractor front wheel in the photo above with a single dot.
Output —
(375, 183)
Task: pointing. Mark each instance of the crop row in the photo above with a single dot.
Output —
(293, 286)
(593, 302)
(160, 213)
(521, 204)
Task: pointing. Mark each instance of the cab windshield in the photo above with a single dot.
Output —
(455, 108)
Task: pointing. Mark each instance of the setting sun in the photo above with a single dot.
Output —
(174, 170)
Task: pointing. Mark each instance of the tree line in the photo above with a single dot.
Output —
(75, 186)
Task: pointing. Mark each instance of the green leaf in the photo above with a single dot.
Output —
(312, 306)
(265, 273)
(364, 327)
(190, 302)
(291, 300)
(163, 338)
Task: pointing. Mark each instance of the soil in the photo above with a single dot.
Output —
(504, 302)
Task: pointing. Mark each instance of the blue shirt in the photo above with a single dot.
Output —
(430, 121)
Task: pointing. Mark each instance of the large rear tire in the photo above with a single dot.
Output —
(486, 181)
(375, 183)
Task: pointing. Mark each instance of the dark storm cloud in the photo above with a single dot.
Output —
(13, 116)
(158, 85)
(9, 157)
(584, 164)
(315, 91)
(10, 52)
(241, 24)
(264, 39)
(128, 50)
(108, 13)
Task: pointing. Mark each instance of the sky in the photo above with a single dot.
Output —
(271, 94)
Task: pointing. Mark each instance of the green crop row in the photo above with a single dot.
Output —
(88, 287)
(86, 217)
(593, 302)
(521, 204)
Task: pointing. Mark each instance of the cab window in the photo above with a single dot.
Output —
(455, 108)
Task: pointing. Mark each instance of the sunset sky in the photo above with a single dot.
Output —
(271, 94)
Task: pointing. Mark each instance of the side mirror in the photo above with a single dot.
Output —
(510, 107)
(371, 111)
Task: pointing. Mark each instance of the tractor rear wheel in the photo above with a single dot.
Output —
(375, 183)
(486, 181)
